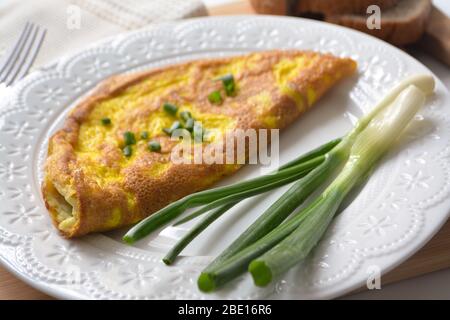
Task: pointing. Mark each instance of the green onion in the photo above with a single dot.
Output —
(188, 237)
(228, 84)
(185, 115)
(363, 146)
(189, 124)
(316, 219)
(173, 210)
(106, 121)
(176, 208)
(215, 97)
(129, 138)
(127, 151)
(154, 146)
(368, 148)
(307, 184)
(188, 121)
(144, 135)
(231, 264)
(175, 125)
(268, 221)
(280, 209)
(170, 108)
(254, 191)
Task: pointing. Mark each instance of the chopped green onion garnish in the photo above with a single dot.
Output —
(175, 125)
(154, 146)
(185, 115)
(189, 124)
(228, 84)
(215, 97)
(167, 131)
(127, 151)
(144, 135)
(128, 138)
(197, 132)
(170, 108)
(106, 121)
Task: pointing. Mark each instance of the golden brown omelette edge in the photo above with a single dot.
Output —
(96, 207)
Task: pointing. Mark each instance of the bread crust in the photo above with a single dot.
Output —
(333, 7)
(96, 206)
(279, 7)
(399, 31)
(325, 7)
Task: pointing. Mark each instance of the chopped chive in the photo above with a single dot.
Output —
(170, 108)
(144, 135)
(175, 125)
(106, 121)
(185, 115)
(198, 132)
(229, 89)
(127, 151)
(189, 124)
(154, 146)
(228, 84)
(129, 138)
(215, 97)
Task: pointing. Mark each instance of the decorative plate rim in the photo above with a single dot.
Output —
(20, 243)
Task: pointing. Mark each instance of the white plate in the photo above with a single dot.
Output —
(397, 211)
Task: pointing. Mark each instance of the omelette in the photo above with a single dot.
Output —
(109, 165)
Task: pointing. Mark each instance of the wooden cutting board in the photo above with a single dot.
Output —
(434, 256)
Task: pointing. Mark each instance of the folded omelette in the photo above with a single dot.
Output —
(102, 173)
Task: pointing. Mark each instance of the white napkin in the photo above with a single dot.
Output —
(74, 24)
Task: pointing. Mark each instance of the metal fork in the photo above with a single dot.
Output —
(22, 55)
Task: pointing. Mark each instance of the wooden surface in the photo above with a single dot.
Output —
(239, 7)
(12, 288)
(434, 256)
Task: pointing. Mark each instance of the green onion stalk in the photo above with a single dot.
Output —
(277, 247)
(273, 217)
(270, 219)
(368, 148)
(290, 172)
(195, 231)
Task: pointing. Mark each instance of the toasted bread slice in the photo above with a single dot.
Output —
(322, 7)
(402, 21)
(91, 184)
(402, 24)
(333, 7)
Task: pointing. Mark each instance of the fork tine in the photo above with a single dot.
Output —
(15, 48)
(22, 56)
(31, 51)
(17, 54)
(31, 56)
